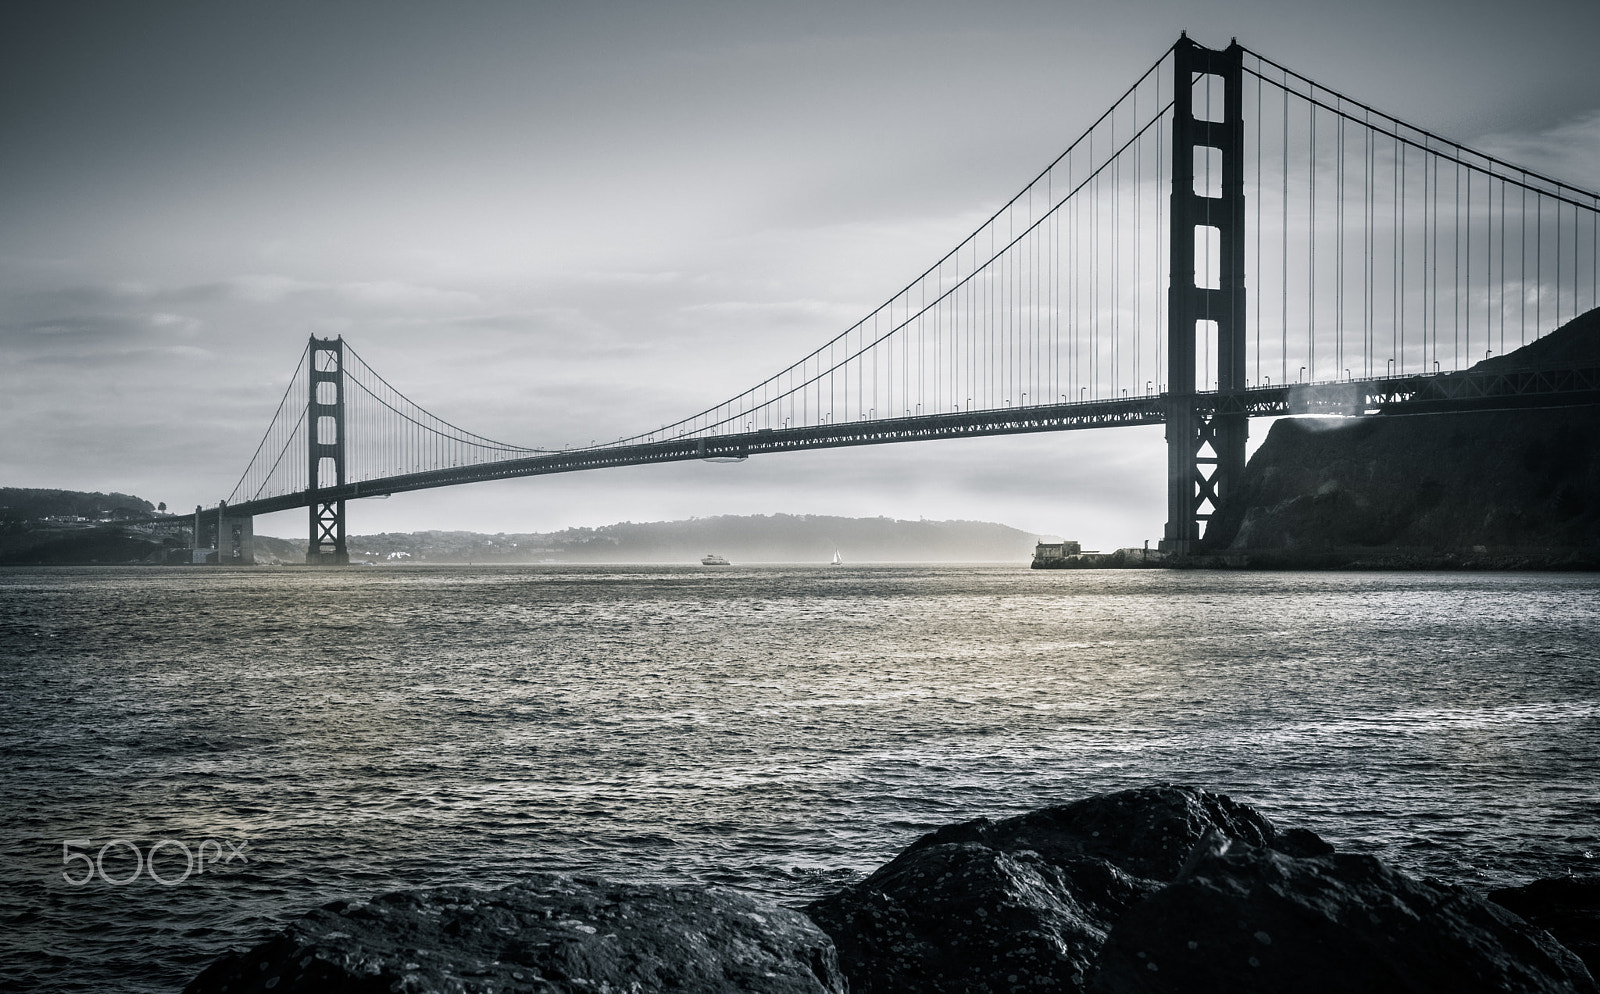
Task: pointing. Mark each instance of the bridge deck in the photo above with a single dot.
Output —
(1415, 394)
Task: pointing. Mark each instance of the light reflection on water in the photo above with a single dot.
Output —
(780, 729)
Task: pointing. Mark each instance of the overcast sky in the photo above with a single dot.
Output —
(551, 222)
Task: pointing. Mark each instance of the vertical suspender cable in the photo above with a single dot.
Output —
(1456, 252)
(1522, 268)
(1094, 278)
(1503, 268)
(1430, 249)
(1397, 279)
(1488, 265)
(1116, 258)
(1163, 251)
(1558, 264)
(1338, 243)
(1311, 260)
(1259, 111)
(1369, 242)
(1284, 257)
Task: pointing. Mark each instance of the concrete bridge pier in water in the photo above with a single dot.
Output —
(223, 538)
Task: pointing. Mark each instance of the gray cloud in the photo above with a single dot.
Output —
(1568, 150)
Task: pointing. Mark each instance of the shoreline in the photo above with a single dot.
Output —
(1363, 560)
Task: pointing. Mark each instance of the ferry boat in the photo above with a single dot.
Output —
(712, 559)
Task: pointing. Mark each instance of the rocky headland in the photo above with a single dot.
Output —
(1513, 487)
(1516, 487)
(1161, 888)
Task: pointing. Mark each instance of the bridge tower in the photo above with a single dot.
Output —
(325, 447)
(1205, 455)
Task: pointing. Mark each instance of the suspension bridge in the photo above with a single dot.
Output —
(1229, 240)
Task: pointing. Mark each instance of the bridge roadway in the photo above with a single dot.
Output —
(1412, 394)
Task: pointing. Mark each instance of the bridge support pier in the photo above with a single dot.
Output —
(223, 539)
(1205, 454)
(327, 546)
(325, 425)
(236, 535)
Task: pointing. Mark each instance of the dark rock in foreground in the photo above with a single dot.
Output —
(548, 934)
(1566, 907)
(1254, 920)
(1156, 889)
(1027, 902)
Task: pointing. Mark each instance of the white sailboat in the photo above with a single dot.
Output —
(836, 560)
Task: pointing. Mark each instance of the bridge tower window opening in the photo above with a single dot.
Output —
(1207, 171)
(1208, 93)
(1206, 332)
(1208, 257)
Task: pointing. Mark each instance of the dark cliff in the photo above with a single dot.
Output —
(1496, 488)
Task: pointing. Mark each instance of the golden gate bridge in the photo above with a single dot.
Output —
(1229, 240)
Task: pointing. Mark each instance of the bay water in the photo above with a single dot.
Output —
(194, 757)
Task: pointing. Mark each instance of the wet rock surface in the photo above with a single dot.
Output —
(1566, 907)
(1026, 903)
(548, 934)
(1249, 919)
(963, 917)
(1162, 888)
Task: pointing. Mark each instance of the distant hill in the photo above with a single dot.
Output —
(22, 504)
(279, 551)
(70, 527)
(66, 527)
(747, 539)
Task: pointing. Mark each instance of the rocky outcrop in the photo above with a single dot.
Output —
(1174, 889)
(1244, 919)
(1489, 488)
(552, 934)
(1482, 485)
(1164, 888)
(1566, 907)
(1026, 903)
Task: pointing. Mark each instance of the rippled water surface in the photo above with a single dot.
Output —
(780, 729)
